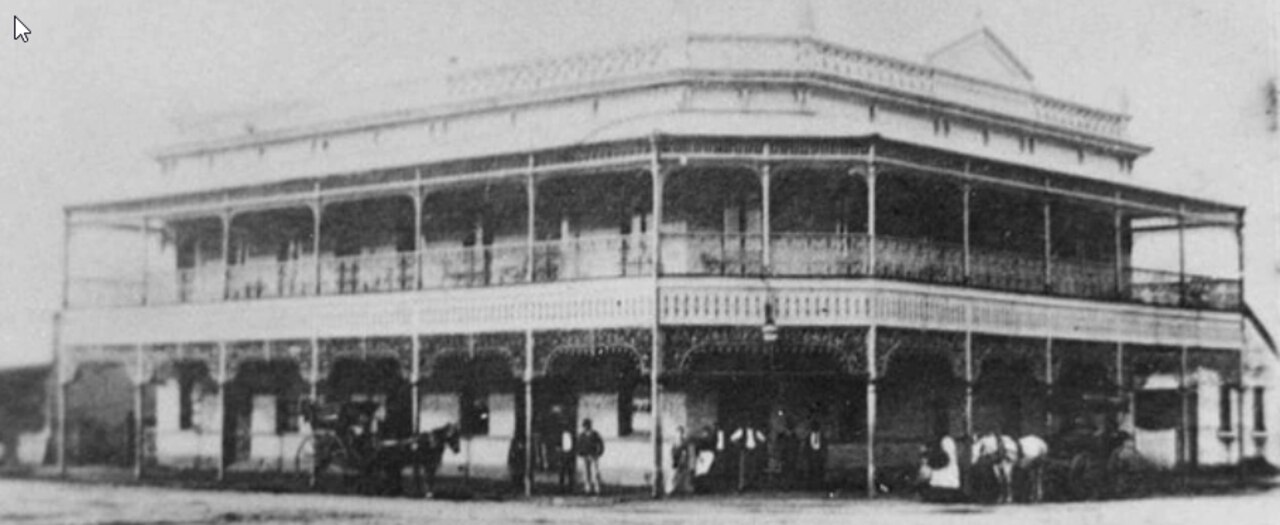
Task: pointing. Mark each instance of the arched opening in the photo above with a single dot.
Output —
(1008, 399)
(919, 398)
(376, 380)
(261, 404)
(100, 416)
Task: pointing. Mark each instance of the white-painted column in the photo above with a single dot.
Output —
(766, 229)
(1118, 233)
(64, 372)
(418, 199)
(871, 211)
(139, 382)
(872, 377)
(1048, 246)
(222, 409)
(527, 377)
(226, 254)
(146, 262)
(317, 218)
(655, 329)
(1182, 255)
(528, 412)
(966, 197)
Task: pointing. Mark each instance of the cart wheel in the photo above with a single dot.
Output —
(1083, 477)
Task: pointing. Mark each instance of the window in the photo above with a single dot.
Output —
(185, 403)
(1156, 409)
(626, 411)
(1080, 155)
(1259, 409)
(475, 413)
(287, 414)
(1224, 408)
(871, 112)
(986, 137)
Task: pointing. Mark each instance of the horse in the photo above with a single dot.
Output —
(1006, 456)
(423, 452)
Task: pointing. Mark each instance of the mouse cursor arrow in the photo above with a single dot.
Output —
(20, 29)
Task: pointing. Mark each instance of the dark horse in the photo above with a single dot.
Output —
(423, 452)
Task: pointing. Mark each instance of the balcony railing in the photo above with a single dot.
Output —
(592, 257)
(368, 273)
(201, 284)
(819, 254)
(712, 253)
(919, 260)
(472, 266)
(1006, 270)
(268, 279)
(792, 254)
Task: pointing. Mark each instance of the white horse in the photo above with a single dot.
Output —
(1006, 455)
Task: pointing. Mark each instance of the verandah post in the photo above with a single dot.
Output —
(871, 410)
(655, 356)
(530, 274)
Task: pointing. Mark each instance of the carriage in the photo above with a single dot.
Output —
(1090, 458)
(345, 438)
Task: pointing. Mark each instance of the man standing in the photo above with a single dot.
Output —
(748, 439)
(590, 448)
(568, 462)
(814, 456)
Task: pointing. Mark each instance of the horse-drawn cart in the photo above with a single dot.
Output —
(1090, 457)
(345, 438)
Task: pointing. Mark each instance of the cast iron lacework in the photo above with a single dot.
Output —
(684, 346)
(1067, 354)
(1142, 362)
(1009, 349)
(1225, 362)
(398, 349)
(550, 347)
(940, 345)
(435, 347)
(241, 352)
(509, 347)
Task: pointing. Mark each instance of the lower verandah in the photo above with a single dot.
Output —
(717, 379)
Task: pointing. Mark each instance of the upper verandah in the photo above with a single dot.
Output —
(696, 58)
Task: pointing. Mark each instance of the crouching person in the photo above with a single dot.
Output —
(939, 474)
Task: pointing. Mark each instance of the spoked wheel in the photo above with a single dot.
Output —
(1126, 475)
(305, 456)
(1084, 477)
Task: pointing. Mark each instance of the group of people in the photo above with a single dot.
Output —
(587, 446)
(719, 459)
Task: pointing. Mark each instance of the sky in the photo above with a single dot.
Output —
(101, 85)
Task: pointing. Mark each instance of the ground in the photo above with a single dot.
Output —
(40, 501)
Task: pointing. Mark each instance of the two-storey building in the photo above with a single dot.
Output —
(707, 232)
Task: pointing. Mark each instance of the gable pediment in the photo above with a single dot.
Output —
(982, 55)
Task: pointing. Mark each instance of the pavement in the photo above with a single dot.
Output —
(108, 496)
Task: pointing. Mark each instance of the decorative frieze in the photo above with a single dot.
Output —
(551, 347)
(990, 349)
(946, 346)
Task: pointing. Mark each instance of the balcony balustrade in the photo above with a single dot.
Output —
(268, 279)
(592, 257)
(819, 254)
(793, 254)
(712, 253)
(1006, 270)
(919, 260)
(472, 266)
